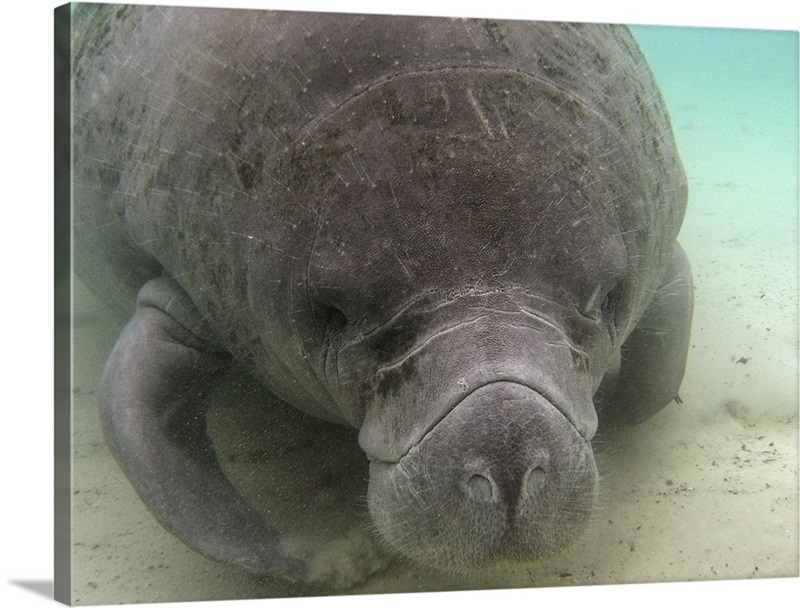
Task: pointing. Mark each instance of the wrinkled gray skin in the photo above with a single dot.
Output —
(441, 232)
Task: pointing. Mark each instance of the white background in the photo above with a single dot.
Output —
(26, 341)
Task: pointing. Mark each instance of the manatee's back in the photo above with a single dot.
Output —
(180, 114)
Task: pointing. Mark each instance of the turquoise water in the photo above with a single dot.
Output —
(733, 98)
(706, 490)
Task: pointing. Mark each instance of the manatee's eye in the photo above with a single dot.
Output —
(335, 318)
(604, 303)
(610, 303)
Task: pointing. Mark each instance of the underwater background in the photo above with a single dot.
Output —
(705, 490)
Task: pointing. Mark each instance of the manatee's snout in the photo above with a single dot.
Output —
(503, 476)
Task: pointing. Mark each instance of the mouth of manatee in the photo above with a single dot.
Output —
(503, 475)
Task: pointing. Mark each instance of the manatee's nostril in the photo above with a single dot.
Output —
(479, 488)
(535, 480)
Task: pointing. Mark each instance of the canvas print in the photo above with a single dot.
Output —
(378, 303)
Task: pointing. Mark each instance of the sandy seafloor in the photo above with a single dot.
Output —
(707, 489)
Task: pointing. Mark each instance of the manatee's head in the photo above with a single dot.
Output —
(480, 244)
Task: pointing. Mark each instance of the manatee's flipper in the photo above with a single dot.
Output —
(653, 358)
(153, 398)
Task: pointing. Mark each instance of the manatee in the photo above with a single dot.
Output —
(457, 236)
